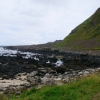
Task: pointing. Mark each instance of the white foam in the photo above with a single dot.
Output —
(36, 58)
(13, 53)
(48, 62)
(59, 63)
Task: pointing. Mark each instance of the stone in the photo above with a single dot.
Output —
(47, 75)
(57, 79)
(60, 69)
(18, 93)
(66, 79)
(51, 70)
(98, 69)
(28, 85)
(33, 73)
(5, 77)
(90, 70)
(45, 80)
(59, 83)
(66, 73)
(86, 73)
(37, 77)
(60, 76)
(1, 89)
(30, 79)
(43, 71)
(80, 73)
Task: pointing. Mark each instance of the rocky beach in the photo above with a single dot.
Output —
(21, 70)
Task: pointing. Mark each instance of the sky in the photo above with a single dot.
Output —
(28, 22)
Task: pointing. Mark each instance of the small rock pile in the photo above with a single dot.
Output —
(45, 77)
(54, 78)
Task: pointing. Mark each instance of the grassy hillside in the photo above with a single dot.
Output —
(87, 88)
(84, 36)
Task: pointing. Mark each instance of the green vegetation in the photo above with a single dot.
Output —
(2, 97)
(84, 36)
(87, 88)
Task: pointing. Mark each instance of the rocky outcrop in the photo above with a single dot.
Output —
(51, 68)
(70, 62)
(35, 79)
(66, 77)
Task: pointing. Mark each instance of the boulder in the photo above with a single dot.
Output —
(86, 73)
(80, 73)
(45, 80)
(60, 76)
(28, 85)
(60, 69)
(18, 93)
(30, 79)
(47, 75)
(66, 79)
(33, 73)
(98, 69)
(43, 70)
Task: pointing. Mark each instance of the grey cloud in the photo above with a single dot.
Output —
(41, 21)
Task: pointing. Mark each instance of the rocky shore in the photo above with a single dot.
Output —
(24, 70)
(25, 81)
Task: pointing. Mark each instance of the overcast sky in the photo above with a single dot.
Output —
(24, 22)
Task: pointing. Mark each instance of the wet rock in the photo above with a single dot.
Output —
(60, 69)
(52, 59)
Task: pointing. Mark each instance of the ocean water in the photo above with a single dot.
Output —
(27, 55)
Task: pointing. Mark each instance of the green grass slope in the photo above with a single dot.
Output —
(84, 36)
(87, 88)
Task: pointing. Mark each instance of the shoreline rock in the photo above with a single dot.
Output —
(33, 80)
(38, 73)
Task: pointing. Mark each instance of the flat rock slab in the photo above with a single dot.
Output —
(7, 83)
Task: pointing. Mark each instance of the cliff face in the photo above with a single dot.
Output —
(84, 36)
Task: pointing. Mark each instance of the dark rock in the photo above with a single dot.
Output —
(60, 69)
(42, 70)
(5, 77)
(17, 93)
(27, 85)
